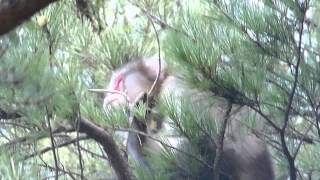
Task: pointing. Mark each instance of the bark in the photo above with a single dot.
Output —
(117, 161)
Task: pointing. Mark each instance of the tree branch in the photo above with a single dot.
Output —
(14, 12)
(219, 143)
(69, 173)
(117, 161)
(72, 141)
(290, 158)
(4, 114)
(54, 153)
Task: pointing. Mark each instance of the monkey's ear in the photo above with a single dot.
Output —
(152, 67)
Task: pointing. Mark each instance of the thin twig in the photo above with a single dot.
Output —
(72, 141)
(71, 174)
(52, 145)
(111, 92)
(78, 143)
(290, 158)
(159, 60)
(162, 23)
(220, 143)
(301, 142)
(93, 153)
(314, 108)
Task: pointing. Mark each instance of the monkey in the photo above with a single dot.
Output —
(244, 157)
(133, 82)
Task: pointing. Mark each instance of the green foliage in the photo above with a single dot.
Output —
(246, 52)
(12, 169)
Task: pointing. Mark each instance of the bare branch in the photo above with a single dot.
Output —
(290, 158)
(78, 144)
(160, 22)
(48, 117)
(220, 143)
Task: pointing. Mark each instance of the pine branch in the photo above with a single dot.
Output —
(14, 12)
(160, 22)
(72, 141)
(40, 135)
(8, 115)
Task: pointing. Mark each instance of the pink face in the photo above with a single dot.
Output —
(131, 81)
(125, 88)
(117, 95)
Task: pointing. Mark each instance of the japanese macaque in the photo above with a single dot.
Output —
(128, 86)
(243, 157)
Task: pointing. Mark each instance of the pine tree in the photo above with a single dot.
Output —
(259, 55)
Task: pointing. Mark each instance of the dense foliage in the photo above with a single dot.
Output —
(260, 54)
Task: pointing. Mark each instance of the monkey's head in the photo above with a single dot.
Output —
(133, 80)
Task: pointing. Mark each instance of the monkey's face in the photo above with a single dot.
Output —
(129, 83)
(125, 89)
